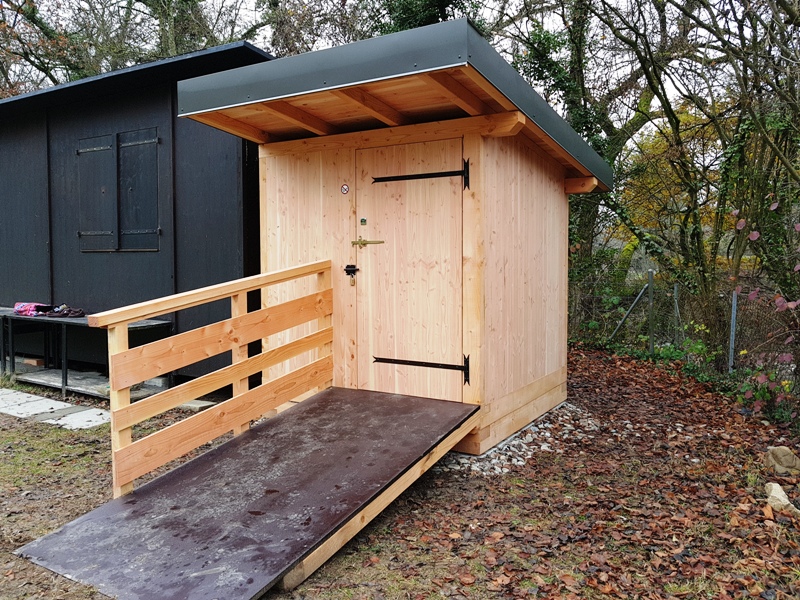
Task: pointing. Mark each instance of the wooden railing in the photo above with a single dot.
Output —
(130, 366)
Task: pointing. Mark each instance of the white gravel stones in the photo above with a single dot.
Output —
(544, 435)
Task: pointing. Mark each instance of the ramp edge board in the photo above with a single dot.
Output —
(327, 548)
(265, 506)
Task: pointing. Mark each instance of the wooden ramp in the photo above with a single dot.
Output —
(269, 506)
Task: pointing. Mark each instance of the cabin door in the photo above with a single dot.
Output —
(409, 261)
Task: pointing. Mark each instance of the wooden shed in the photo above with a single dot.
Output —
(436, 180)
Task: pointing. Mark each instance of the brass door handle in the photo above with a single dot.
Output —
(361, 242)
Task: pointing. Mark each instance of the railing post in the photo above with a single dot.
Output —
(118, 399)
(240, 386)
(324, 282)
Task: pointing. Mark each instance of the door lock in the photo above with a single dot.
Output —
(351, 270)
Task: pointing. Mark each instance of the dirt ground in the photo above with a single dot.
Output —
(648, 486)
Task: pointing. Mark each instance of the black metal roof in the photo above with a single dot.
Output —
(449, 44)
(210, 60)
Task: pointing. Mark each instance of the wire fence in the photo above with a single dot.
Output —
(650, 314)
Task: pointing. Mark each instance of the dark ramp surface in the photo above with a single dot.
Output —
(232, 522)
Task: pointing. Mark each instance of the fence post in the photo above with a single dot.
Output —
(651, 326)
(678, 324)
(732, 338)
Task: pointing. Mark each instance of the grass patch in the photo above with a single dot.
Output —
(43, 453)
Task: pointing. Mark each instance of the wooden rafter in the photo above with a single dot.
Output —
(488, 88)
(458, 94)
(297, 116)
(372, 105)
(580, 185)
(225, 123)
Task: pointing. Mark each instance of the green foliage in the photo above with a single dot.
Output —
(763, 391)
(410, 14)
(661, 354)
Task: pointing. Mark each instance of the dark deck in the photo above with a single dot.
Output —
(232, 522)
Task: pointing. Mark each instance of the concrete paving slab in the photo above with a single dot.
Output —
(57, 414)
(35, 407)
(197, 405)
(84, 419)
(14, 397)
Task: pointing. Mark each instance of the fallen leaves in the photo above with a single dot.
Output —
(661, 497)
(652, 487)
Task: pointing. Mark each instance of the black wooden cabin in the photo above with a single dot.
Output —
(107, 198)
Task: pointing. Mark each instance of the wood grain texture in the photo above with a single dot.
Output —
(297, 116)
(168, 304)
(479, 80)
(373, 106)
(119, 399)
(525, 220)
(194, 388)
(172, 353)
(581, 185)
(488, 437)
(458, 94)
(142, 456)
(134, 365)
(473, 265)
(307, 217)
(409, 287)
(239, 353)
(222, 121)
(495, 125)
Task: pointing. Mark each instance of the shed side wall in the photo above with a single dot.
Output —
(524, 350)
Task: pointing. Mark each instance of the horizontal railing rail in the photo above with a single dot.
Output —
(131, 366)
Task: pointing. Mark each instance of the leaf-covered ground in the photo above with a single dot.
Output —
(650, 486)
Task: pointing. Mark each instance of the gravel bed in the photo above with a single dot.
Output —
(546, 434)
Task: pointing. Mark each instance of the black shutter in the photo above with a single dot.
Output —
(98, 193)
(138, 189)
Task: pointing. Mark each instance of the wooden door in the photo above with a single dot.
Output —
(409, 286)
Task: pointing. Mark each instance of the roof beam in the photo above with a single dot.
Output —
(487, 87)
(495, 125)
(228, 124)
(458, 94)
(580, 185)
(375, 107)
(297, 116)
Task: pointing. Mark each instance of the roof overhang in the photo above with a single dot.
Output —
(440, 72)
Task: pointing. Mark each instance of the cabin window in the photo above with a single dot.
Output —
(119, 191)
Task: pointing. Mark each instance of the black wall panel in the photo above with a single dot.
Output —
(24, 216)
(137, 266)
(209, 216)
